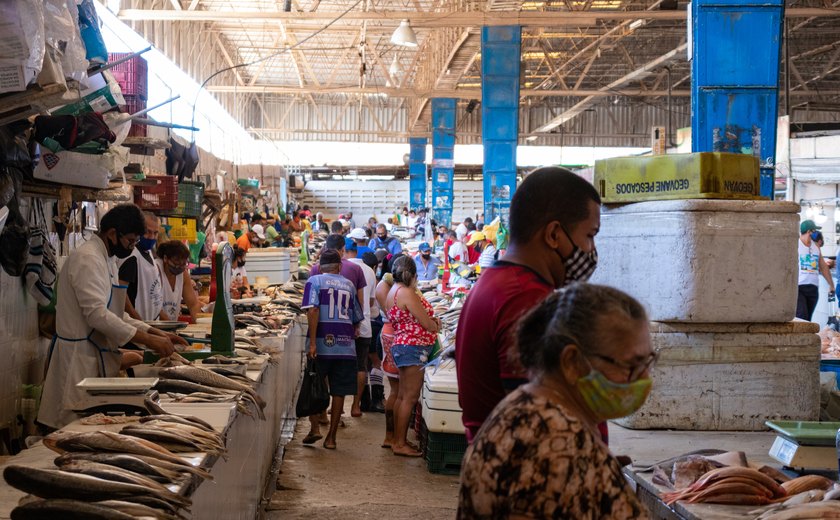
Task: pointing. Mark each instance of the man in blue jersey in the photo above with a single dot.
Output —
(334, 315)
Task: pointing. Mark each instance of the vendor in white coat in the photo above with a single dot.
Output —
(91, 323)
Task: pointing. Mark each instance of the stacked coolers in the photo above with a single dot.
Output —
(442, 438)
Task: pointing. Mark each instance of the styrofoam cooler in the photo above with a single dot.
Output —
(294, 259)
(439, 399)
(731, 376)
(272, 262)
(703, 261)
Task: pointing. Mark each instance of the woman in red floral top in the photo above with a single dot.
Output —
(415, 331)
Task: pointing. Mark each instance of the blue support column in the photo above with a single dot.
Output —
(417, 172)
(736, 47)
(500, 59)
(443, 159)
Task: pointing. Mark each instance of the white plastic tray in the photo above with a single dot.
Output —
(117, 384)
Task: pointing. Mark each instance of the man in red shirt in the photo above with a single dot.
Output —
(554, 217)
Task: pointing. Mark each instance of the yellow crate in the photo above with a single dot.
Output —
(704, 175)
(182, 229)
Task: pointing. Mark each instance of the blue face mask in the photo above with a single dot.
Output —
(815, 235)
(146, 244)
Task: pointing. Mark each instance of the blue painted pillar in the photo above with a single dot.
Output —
(735, 54)
(500, 59)
(443, 159)
(417, 172)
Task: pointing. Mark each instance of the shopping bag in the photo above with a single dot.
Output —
(314, 396)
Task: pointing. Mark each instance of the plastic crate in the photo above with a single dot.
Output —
(182, 229)
(160, 196)
(190, 199)
(134, 104)
(831, 365)
(132, 75)
(443, 452)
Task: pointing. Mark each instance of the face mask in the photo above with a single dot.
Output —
(119, 250)
(579, 265)
(174, 270)
(814, 235)
(242, 263)
(382, 237)
(610, 400)
(426, 256)
(146, 244)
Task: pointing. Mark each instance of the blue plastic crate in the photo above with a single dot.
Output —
(831, 365)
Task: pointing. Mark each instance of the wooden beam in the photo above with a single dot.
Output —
(228, 59)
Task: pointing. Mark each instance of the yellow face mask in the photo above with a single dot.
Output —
(610, 400)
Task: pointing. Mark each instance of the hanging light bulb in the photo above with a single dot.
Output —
(404, 35)
(821, 217)
(837, 212)
(809, 212)
(395, 66)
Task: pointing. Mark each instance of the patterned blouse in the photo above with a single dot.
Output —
(407, 328)
(533, 459)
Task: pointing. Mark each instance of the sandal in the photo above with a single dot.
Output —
(330, 446)
(410, 453)
(312, 438)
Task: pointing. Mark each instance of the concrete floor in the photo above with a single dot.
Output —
(359, 479)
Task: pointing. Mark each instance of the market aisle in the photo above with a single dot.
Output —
(359, 479)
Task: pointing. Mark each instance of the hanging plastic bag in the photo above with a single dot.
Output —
(61, 26)
(502, 237)
(95, 48)
(40, 271)
(314, 396)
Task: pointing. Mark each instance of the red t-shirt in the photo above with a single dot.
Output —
(486, 332)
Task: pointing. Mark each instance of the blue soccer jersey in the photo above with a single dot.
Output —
(335, 297)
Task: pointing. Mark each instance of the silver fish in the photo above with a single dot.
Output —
(66, 509)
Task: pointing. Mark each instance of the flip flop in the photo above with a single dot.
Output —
(356, 414)
(386, 445)
(329, 446)
(312, 438)
(414, 455)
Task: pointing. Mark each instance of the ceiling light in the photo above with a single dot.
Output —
(636, 24)
(821, 217)
(404, 35)
(395, 66)
(531, 138)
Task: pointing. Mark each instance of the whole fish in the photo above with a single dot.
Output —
(208, 377)
(181, 386)
(191, 431)
(137, 510)
(120, 460)
(162, 437)
(155, 409)
(66, 509)
(106, 441)
(160, 463)
(53, 483)
(179, 419)
(103, 471)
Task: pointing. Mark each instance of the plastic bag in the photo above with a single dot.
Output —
(95, 50)
(61, 25)
(22, 46)
(314, 396)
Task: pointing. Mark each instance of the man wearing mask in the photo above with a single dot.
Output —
(427, 265)
(90, 317)
(811, 266)
(383, 241)
(144, 293)
(485, 248)
(554, 217)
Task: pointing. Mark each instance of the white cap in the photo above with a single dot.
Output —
(344, 223)
(358, 234)
(258, 229)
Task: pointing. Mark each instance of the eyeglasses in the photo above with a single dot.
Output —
(635, 370)
(132, 242)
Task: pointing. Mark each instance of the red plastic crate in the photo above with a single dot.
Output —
(134, 104)
(132, 75)
(161, 196)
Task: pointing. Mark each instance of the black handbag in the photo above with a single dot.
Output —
(314, 397)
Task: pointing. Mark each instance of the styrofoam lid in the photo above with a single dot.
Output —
(738, 206)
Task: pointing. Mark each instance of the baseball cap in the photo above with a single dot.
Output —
(424, 247)
(258, 229)
(350, 245)
(475, 237)
(808, 225)
(358, 234)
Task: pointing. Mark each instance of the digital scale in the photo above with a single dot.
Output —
(805, 444)
(222, 326)
(117, 395)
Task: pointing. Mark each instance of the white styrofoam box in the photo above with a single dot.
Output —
(703, 261)
(439, 399)
(271, 262)
(827, 146)
(803, 148)
(731, 376)
(81, 169)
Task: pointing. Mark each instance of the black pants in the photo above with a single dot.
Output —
(809, 295)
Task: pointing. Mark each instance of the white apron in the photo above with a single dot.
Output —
(149, 301)
(90, 328)
(171, 297)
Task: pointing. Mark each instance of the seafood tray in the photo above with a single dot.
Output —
(117, 385)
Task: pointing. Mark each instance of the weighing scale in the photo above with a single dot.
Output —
(111, 395)
(222, 327)
(805, 444)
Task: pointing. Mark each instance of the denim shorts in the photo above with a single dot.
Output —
(411, 355)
